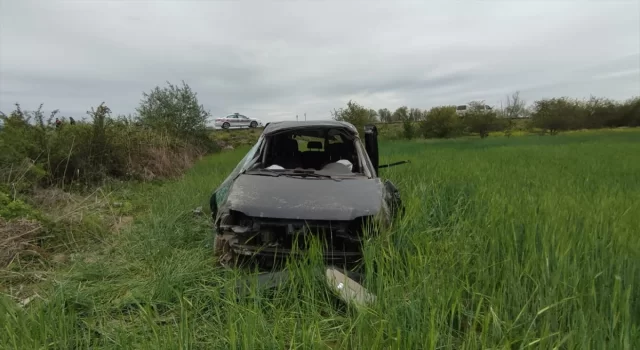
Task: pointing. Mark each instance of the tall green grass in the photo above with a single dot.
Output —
(527, 242)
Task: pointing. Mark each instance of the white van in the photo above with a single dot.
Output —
(462, 109)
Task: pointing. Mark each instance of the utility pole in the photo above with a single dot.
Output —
(296, 117)
(305, 117)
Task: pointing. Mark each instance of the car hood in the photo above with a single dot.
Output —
(285, 197)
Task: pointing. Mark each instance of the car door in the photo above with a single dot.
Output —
(243, 121)
(232, 120)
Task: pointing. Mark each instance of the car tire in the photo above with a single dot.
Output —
(253, 124)
(225, 125)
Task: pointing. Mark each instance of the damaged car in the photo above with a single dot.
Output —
(302, 180)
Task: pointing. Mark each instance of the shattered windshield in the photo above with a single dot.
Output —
(318, 153)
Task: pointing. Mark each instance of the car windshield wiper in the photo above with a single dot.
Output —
(298, 172)
(264, 172)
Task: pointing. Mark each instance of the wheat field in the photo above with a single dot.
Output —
(508, 243)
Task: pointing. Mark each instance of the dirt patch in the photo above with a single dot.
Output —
(52, 197)
(60, 258)
(122, 223)
(18, 237)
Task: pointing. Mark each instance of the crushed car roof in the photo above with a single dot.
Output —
(276, 127)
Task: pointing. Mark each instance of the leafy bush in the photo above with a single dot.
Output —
(440, 122)
(91, 151)
(559, 114)
(629, 113)
(608, 113)
(11, 209)
(173, 109)
(507, 125)
(24, 133)
(408, 130)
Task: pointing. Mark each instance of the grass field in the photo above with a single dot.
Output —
(522, 242)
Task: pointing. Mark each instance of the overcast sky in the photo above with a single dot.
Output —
(275, 59)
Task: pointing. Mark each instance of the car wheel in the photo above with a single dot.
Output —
(253, 124)
(225, 125)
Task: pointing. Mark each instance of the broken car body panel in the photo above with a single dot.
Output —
(305, 199)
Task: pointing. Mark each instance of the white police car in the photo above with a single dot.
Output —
(237, 120)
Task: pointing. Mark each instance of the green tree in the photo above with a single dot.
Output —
(385, 115)
(355, 114)
(557, 114)
(515, 107)
(174, 109)
(481, 120)
(416, 114)
(440, 122)
(373, 116)
(600, 112)
(401, 114)
(628, 114)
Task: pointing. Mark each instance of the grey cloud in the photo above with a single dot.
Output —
(275, 59)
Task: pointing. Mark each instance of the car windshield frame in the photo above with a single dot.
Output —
(366, 167)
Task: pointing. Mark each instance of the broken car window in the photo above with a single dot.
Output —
(221, 192)
(314, 150)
